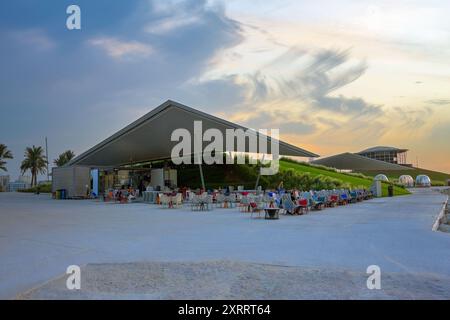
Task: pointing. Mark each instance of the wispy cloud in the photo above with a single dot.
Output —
(411, 119)
(116, 48)
(172, 23)
(439, 102)
(35, 38)
(307, 79)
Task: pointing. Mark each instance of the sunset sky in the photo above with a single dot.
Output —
(333, 76)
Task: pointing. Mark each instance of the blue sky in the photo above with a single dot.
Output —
(334, 76)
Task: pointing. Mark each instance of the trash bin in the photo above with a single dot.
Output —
(58, 195)
(63, 193)
(390, 191)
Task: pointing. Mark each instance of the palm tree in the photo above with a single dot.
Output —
(64, 158)
(34, 161)
(4, 154)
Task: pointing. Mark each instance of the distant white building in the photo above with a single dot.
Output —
(17, 185)
(22, 182)
(24, 179)
(4, 181)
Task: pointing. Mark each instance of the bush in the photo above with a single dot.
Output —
(358, 175)
(43, 188)
(319, 166)
(303, 181)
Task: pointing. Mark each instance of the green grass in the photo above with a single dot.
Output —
(437, 178)
(355, 182)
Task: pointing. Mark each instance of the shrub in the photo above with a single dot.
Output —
(43, 188)
(303, 181)
(319, 166)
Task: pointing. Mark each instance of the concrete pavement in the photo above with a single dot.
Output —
(40, 237)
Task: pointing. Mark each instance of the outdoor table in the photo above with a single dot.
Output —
(272, 213)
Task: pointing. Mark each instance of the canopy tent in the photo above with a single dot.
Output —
(149, 138)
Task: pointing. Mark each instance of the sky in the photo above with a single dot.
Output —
(333, 76)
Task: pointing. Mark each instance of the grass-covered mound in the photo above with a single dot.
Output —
(437, 178)
(293, 174)
(354, 180)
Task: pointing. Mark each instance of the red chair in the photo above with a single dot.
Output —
(334, 199)
(303, 203)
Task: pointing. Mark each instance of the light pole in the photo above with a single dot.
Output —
(46, 157)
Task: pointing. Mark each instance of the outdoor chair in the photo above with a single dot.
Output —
(189, 196)
(202, 202)
(353, 196)
(177, 201)
(367, 194)
(220, 199)
(343, 198)
(313, 202)
(164, 201)
(206, 202)
(195, 203)
(257, 207)
(323, 196)
(289, 206)
(304, 206)
(333, 200)
(244, 204)
(229, 201)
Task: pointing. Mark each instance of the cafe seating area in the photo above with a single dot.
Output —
(257, 203)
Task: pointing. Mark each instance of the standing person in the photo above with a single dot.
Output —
(141, 187)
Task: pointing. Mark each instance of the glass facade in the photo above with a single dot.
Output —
(391, 156)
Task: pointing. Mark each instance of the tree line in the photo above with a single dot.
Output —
(34, 160)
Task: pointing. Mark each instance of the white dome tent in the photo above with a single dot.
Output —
(381, 177)
(423, 181)
(406, 180)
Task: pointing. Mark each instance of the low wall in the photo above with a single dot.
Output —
(440, 216)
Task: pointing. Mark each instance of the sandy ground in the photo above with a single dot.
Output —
(40, 237)
(236, 280)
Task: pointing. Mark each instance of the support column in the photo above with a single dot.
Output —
(201, 173)
(259, 173)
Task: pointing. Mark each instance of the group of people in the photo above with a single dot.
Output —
(122, 195)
